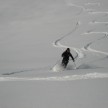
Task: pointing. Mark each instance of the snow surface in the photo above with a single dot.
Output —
(33, 35)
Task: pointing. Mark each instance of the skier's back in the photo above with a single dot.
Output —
(66, 54)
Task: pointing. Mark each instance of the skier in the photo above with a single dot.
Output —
(66, 54)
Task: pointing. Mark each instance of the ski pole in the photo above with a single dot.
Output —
(75, 65)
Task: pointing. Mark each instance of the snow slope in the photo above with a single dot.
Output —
(33, 34)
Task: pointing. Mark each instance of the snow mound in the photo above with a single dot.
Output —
(58, 68)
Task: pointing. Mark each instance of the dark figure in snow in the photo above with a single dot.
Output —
(66, 54)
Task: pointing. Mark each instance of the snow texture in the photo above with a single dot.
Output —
(33, 35)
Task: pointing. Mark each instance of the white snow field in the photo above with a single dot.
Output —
(33, 35)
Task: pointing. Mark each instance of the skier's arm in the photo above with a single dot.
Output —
(72, 57)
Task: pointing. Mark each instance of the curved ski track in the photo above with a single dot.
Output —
(79, 52)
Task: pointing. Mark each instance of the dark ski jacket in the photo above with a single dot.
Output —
(66, 56)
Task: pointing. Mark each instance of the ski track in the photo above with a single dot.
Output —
(87, 47)
(94, 12)
(92, 4)
(84, 9)
(58, 44)
(79, 52)
(26, 70)
(97, 22)
(93, 75)
(17, 72)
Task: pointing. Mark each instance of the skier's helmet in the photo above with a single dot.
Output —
(68, 49)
